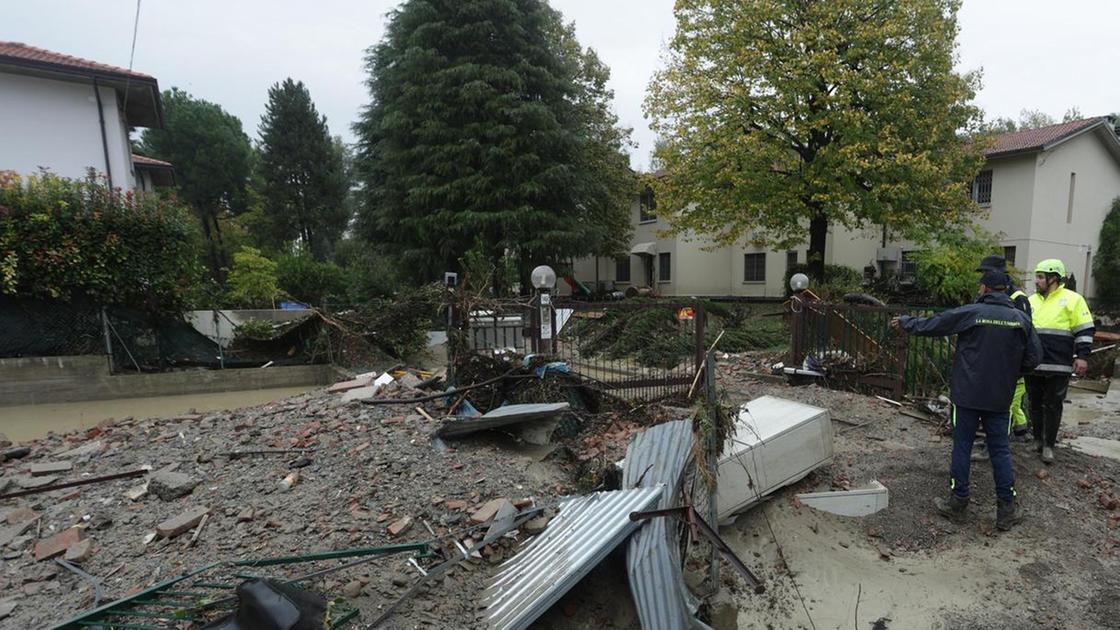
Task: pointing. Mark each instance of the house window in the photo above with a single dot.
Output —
(791, 259)
(646, 205)
(622, 269)
(1072, 184)
(754, 267)
(664, 273)
(982, 188)
(1009, 255)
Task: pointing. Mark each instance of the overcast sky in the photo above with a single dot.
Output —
(1035, 54)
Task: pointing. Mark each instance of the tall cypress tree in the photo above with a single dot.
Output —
(478, 135)
(305, 183)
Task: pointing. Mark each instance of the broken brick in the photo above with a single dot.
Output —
(1108, 501)
(400, 526)
(172, 527)
(1084, 484)
(537, 525)
(246, 515)
(487, 511)
(455, 504)
(58, 544)
(1043, 474)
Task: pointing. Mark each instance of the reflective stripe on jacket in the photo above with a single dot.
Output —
(1065, 327)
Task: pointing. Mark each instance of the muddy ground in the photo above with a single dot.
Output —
(901, 568)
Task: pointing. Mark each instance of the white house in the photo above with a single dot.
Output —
(67, 115)
(1045, 193)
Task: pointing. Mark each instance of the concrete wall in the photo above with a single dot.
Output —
(42, 380)
(54, 124)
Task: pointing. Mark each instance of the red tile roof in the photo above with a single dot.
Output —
(143, 160)
(23, 52)
(1036, 139)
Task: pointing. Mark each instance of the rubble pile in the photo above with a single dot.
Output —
(307, 474)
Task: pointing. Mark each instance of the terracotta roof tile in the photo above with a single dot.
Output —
(143, 160)
(1036, 139)
(16, 50)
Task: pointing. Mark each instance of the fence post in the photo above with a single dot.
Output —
(700, 321)
(714, 413)
(902, 351)
(108, 339)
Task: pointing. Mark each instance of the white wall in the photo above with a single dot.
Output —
(54, 124)
(1097, 184)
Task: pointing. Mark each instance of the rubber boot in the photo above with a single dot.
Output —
(1038, 446)
(980, 452)
(1008, 513)
(952, 508)
(1047, 455)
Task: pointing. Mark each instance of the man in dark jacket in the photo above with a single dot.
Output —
(995, 344)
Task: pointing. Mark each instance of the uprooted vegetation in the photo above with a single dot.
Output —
(653, 337)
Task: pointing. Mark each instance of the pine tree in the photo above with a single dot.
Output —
(302, 170)
(487, 127)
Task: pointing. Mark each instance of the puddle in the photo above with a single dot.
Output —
(28, 422)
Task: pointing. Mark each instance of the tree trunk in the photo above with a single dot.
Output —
(818, 235)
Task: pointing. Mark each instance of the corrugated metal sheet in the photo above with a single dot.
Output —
(659, 455)
(578, 539)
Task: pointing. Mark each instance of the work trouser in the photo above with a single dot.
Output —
(1047, 395)
(1018, 415)
(997, 426)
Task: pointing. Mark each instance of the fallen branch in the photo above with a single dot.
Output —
(409, 401)
(268, 451)
(198, 530)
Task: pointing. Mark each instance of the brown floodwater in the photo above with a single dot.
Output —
(28, 422)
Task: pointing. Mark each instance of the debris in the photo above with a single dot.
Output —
(536, 525)
(290, 480)
(858, 502)
(21, 515)
(35, 486)
(775, 442)
(11, 532)
(352, 590)
(659, 455)
(82, 451)
(503, 416)
(889, 401)
(265, 603)
(1084, 484)
(198, 530)
(427, 416)
(302, 462)
(246, 515)
(80, 551)
(487, 512)
(41, 469)
(503, 519)
(1042, 474)
(175, 526)
(587, 529)
(7, 607)
(1108, 501)
(400, 526)
(15, 453)
(455, 504)
(169, 486)
(135, 494)
(360, 393)
(362, 380)
(232, 455)
(58, 544)
(4, 441)
(409, 380)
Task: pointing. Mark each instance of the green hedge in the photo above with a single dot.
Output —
(62, 239)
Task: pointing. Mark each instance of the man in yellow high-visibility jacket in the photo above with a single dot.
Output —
(1065, 326)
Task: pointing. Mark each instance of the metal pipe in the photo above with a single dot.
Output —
(104, 135)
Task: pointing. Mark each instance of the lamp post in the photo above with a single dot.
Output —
(544, 279)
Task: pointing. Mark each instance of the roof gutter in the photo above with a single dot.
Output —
(104, 136)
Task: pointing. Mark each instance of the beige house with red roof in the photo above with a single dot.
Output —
(1045, 193)
(67, 115)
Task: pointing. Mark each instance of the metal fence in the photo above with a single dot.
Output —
(635, 350)
(855, 348)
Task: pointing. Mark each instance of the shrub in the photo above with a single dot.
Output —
(252, 281)
(307, 280)
(63, 238)
(947, 269)
(1106, 266)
